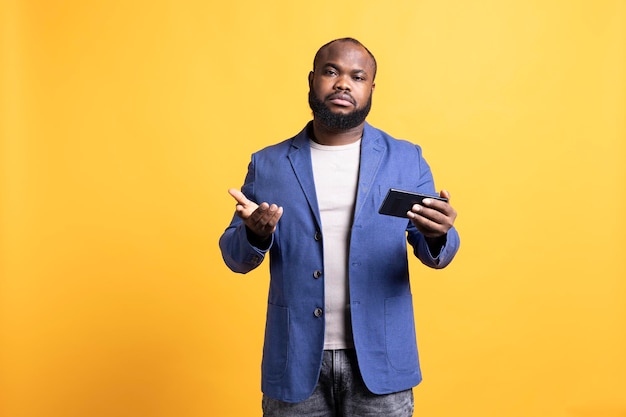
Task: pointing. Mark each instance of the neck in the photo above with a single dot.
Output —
(332, 137)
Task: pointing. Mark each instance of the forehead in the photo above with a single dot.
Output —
(346, 54)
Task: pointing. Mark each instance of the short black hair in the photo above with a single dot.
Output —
(352, 40)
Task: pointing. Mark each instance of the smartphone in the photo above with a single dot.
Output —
(398, 202)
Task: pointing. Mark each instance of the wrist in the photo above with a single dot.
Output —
(435, 244)
(261, 242)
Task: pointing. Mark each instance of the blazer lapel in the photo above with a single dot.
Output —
(372, 151)
(300, 158)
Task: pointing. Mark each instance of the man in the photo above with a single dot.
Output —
(340, 335)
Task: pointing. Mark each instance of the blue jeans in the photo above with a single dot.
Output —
(341, 392)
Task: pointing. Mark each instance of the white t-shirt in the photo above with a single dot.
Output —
(336, 174)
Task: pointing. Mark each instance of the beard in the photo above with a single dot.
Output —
(337, 121)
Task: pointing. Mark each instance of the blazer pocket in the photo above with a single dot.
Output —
(275, 347)
(400, 333)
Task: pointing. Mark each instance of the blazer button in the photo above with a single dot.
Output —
(318, 312)
(317, 274)
(318, 236)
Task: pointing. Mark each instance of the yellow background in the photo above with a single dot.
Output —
(123, 124)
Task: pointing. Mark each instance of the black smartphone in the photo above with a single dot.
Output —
(398, 202)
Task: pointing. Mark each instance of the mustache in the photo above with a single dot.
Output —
(341, 96)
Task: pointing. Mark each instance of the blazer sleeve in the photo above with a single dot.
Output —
(417, 239)
(238, 253)
(445, 256)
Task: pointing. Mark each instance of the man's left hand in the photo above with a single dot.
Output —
(435, 217)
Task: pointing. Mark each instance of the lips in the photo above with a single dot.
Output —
(341, 99)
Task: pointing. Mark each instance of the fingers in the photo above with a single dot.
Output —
(444, 194)
(264, 219)
(260, 219)
(430, 222)
(434, 218)
(245, 207)
(239, 196)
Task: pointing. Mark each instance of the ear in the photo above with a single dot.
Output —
(373, 86)
(310, 78)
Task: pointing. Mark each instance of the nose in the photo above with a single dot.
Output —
(342, 83)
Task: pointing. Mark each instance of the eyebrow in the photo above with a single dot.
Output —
(335, 66)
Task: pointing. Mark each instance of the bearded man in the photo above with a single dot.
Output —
(340, 336)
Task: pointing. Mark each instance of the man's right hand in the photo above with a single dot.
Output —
(260, 219)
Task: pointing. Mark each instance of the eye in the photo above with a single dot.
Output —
(330, 71)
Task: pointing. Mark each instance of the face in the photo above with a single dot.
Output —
(341, 85)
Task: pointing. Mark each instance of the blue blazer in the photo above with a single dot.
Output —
(380, 295)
